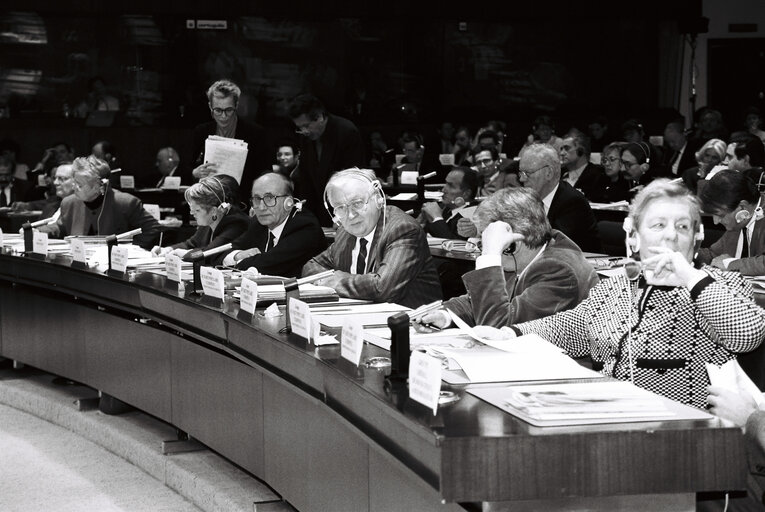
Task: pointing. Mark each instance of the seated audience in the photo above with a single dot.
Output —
(640, 165)
(96, 209)
(490, 176)
(567, 209)
(745, 152)
(576, 167)
(218, 222)
(382, 157)
(105, 150)
(682, 152)
(734, 201)
(543, 132)
(753, 122)
(633, 132)
(287, 159)
(612, 186)
(440, 218)
(379, 253)
(63, 186)
(59, 153)
(661, 328)
(282, 237)
(710, 154)
(709, 125)
(12, 189)
(526, 270)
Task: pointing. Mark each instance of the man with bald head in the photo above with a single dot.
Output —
(282, 236)
(567, 209)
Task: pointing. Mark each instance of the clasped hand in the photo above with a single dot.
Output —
(669, 268)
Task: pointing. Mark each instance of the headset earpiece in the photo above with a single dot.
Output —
(289, 203)
(699, 237)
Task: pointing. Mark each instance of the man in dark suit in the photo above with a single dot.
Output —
(284, 237)
(223, 99)
(328, 143)
(576, 167)
(440, 219)
(527, 270)
(12, 189)
(682, 152)
(379, 253)
(567, 209)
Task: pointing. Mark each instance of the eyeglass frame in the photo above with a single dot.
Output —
(256, 200)
(229, 111)
(526, 174)
(348, 206)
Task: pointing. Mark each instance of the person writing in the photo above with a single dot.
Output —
(660, 329)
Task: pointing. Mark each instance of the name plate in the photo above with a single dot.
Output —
(119, 258)
(173, 267)
(40, 243)
(212, 282)
(300, 318)
(78, 250)
(352, 340)
(153, 210)
(446, 159)
(127, 181)
(1, 237)
(248, 296)
(425, 379)
(42, 181)
(172, 183)
(409, 177)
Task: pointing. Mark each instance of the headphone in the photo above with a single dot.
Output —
(632, 244)
(646, 151)
(224, 206)
(743, 215)
(360, 175)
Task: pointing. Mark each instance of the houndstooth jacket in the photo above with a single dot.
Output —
(674, 331)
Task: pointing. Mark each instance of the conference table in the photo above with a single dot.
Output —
(326, 434)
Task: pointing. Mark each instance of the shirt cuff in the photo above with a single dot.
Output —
(488, 260)
(726, 261)
(229, 260)
(436, 219)
(697, 286)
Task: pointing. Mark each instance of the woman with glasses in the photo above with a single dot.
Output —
(712, 153)
(218, 222)
(612, 186)
(96, 209)
(660, 328)
(223, 101)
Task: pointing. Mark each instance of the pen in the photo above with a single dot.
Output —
(161, 234)
(432, 326)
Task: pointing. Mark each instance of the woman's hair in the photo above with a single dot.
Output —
(726, 190)
(717, 145)
(613, 146)
(663, 188)
(90, 168)
(210, 192)
(225, 88)
(522, 209)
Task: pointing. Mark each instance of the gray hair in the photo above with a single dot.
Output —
(522, 209)
(546, 155)
(717, 145)
(664, 189)
(225, 88)
(208, 192)
(90, 168)
(354, 173)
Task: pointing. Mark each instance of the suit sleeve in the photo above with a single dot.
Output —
(290, 252)
(754, 266)
(441, 229)
(404, 256)
(326, 260)
(707, 254)
(138, 217)
(234, 226)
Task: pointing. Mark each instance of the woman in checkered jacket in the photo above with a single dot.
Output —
(659, 327)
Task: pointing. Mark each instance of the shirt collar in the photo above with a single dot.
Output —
(277, 231)
(547, 200)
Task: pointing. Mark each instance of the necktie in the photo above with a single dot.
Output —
(3, 200)
(564, 176)
(674, 162)
(745, 245)
(270, 243)
(361, 261)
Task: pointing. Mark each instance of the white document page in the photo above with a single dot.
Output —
(229, 154)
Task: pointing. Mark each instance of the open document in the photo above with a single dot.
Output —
(229, 154)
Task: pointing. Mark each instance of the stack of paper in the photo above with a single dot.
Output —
(229, 154)
(758, 283)
(368, 314)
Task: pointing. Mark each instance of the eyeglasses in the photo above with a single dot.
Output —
(267, 199)
(220, 111)
(357, 206)
(525, 173)
(485, 162)
(627, 164)
(611, 160)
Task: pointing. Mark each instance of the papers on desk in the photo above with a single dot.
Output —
(448, 338)
(404, 196)
(584, 403)
(229, 154)
(618, 205)
(368, 314)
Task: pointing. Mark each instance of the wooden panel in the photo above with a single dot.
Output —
(219, 401)
(128, 360)
(43, 332)
(313, 459)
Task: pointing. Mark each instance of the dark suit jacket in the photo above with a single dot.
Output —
(607, 191)
(258, 159)
(400, 268)
(301, 239)
(727, 244)
(589, 180)
(570, 213)
(233, 224)
(559, 279)
(687, 160)
(341, 148)
(22, 190)
(445, 228)
(119, 212)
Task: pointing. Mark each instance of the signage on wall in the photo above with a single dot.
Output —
(207, 24)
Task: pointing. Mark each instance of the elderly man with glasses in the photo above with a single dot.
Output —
(327, 144)
(284, 235)
(379, 253)
(567, 209)
(223, 101)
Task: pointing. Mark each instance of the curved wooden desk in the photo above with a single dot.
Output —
(323, 434)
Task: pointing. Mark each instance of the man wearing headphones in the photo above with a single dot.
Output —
(576, 167)
(284, 237)
(527, 270)
(379, 253)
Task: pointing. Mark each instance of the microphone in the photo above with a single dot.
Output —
(128, 234)
(43, 222)
(427, 176)
(315, 277)
(216, 250)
